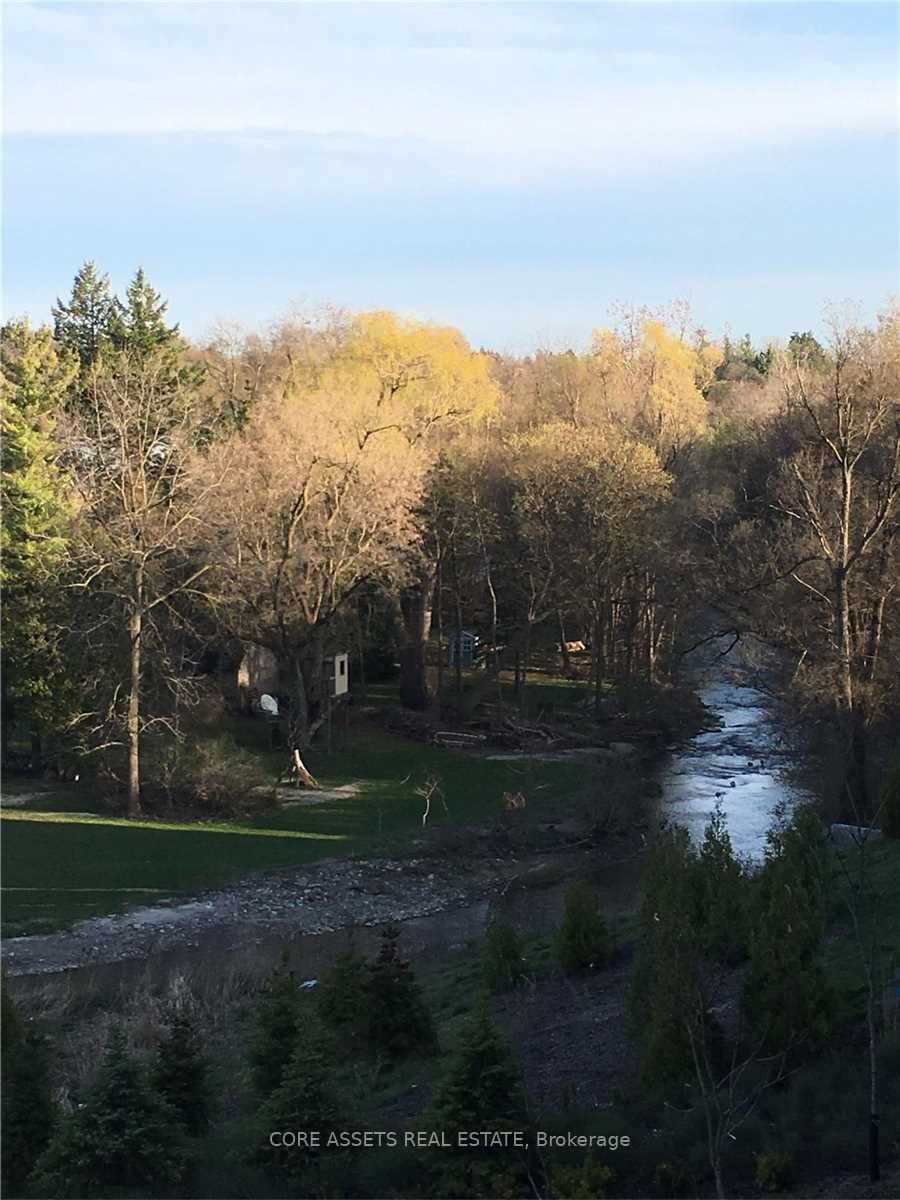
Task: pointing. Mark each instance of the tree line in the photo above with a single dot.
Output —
(365, 481)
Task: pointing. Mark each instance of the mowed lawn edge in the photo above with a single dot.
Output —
(62, 866)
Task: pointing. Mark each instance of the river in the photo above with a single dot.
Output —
(742, 765)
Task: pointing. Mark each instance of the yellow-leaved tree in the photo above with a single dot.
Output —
(325, 499)
(655, 379)
(426, 380)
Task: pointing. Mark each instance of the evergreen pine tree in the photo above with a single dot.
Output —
(139, 332)
(305, 1099)
(721, 895)
(125, 1135)
(275, 1034)
(786, 992)
(28, 1110)
(668, 959)
(139, 325)
(481, 1087)
(342, 997)
(583, 940)
(85, 322)
(181, 1073)
(502, 959)
(398, 1021)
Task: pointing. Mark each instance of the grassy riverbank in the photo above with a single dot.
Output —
(64, 859)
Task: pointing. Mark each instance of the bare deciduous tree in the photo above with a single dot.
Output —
(131, 447)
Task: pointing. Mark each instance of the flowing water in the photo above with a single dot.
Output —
(742, 766)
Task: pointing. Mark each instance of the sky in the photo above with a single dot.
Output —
(513, 169)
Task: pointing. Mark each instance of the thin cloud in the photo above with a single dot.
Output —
(219, 69)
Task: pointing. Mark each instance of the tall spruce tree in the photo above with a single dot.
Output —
(84, 323)
(787, 996)
(275, 1032)
(481, 1088)
(139, 333)
(181, 1073)
(124, 1136)
(139, 325)
(305, 1099)
(398, 1020)
(28, 1110)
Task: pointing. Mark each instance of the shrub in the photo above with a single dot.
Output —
(397, 1019)
(28, 1110)
(124, 1136)
(217, 778)
(180, 1073)
(275, 1034)
(502, 961)
(583, 940)
(774, 1170)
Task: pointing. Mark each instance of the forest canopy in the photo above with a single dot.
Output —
(371, 481)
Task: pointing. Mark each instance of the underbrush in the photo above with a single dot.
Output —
(213, 779)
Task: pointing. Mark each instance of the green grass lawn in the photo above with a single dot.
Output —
(545, 690)
(63, 860)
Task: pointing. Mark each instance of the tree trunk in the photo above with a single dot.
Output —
(495, 657)
(720, 1183)
(361, 644)
(526, 663)
(299, 707)
(439, 623)
(459, 626)
(134, 698)
(415, 616)
(855, 762)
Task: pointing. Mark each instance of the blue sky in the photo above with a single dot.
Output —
(509, 168)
